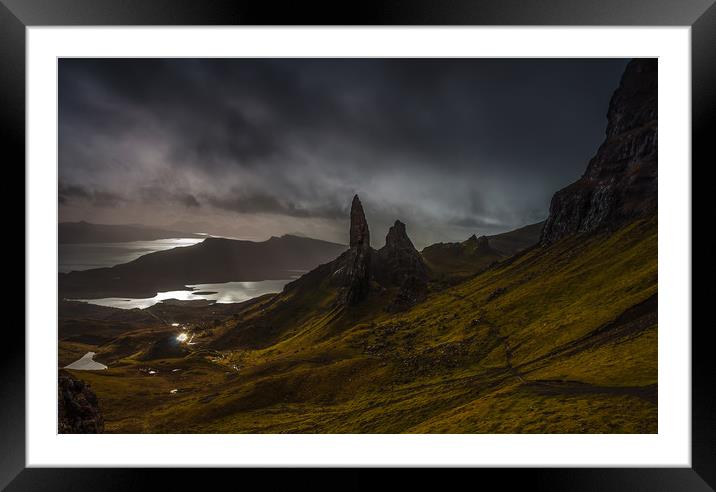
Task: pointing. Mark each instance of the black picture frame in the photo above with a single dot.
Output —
(16, 15)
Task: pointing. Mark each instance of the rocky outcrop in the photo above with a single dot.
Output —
(397, 238)
(620, 182)
(398, 264)
(359, 233)
(397, 269)
(398, 259)
(356, 262)
(78, 409)
(474, 243)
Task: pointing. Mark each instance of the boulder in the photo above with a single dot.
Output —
(77, 406)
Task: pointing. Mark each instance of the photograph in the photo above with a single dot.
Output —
(357, 245)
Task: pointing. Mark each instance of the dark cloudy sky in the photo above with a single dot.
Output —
(251, 148)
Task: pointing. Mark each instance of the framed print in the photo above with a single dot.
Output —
(418, 236)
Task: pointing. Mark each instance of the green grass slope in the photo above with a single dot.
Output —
(559, 339)
(453, 262)
(457, 261)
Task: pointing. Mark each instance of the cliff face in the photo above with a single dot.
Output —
(78, 410)
(620, 182)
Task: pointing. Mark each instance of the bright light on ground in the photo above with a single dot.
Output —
(182, 337)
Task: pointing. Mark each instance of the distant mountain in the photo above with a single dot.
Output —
(212, 260)
(509, 243)
(473, 255)
(86, 232)
(462, 259)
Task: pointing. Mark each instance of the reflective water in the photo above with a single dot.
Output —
(222, 293)
(98, 255)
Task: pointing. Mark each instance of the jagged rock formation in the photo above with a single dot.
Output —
(356, 262)
(398, 259)
(78, 410)
(621, 179)
(397, 238)
(477, 243)
(359, 233)
(399, 264)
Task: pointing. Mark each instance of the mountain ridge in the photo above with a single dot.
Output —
(454, 261)
(210, 261)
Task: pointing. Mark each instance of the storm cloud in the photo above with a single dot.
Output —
(257, 147)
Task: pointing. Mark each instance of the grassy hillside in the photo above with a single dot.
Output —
(559, 339)
(456, 261)
(452, 262)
